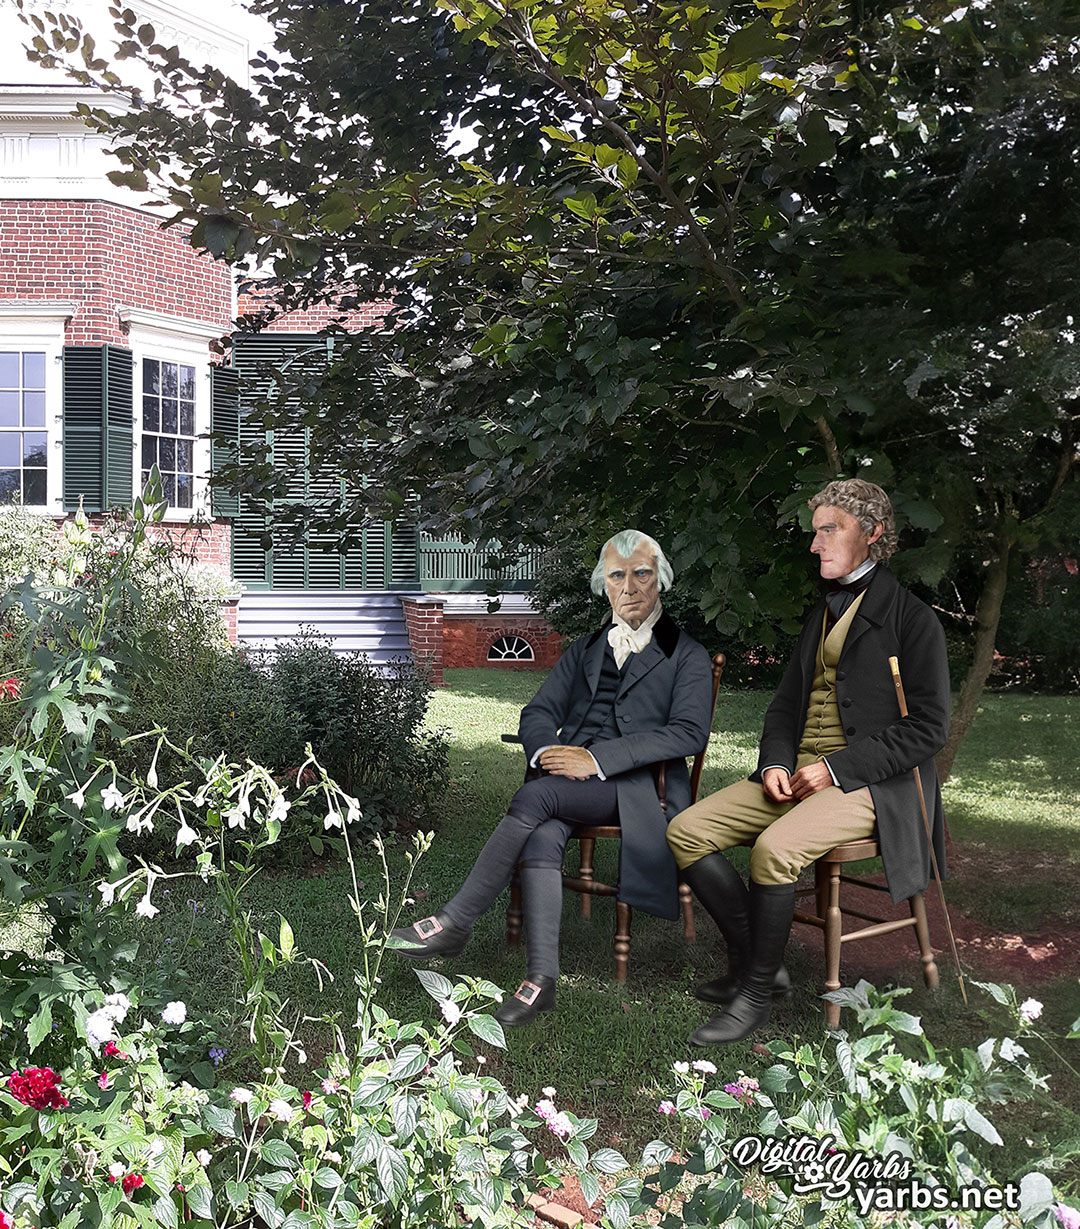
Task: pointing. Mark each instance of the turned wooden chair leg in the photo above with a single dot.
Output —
(834, 924)
(623, 914)
(585, 871)
(686, 904)
(513, 914)
(922, 933)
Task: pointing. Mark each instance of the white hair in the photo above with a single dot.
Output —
(624, 543)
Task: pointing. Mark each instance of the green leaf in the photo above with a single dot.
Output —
(435, 984)
(236, 1193)
(393, 1172)
(165, 1212)
(488, 1029)
(278, 1152)
(219, 1119)
(40, 1025)
(286, 941)
(608, 1161)
(590, 1188)
(409, 1061)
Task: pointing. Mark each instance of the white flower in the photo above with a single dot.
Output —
(146, 908)
(117, 1006)
(108, 892)
(281, 1110)
(79, 798)
(548, 1092)
(154, 1149)
(705, 1066)
(100, 1027)
(354, 814)
(451, 1012)
(680, 1068)
(236, 817)
(186, 835)
(111, 798)
(1030, 1009)
(174, 1013)
(140, 823)
(480, 1060)
(332, 820)
(241, 1095)
(333, 1157)
(117, 1169)
(203, 1157)
(280, 809)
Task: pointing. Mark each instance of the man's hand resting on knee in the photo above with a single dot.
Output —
(573, 762)
(775, 785)
(809, 780)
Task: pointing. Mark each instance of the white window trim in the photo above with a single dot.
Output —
(151, 336)
(40, 326)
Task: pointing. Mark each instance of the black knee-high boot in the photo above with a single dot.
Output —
(719, 887)
(772, 907)
(541, 899)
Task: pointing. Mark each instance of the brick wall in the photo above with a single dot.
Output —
(466, 640)
(311, 319)
(103, 256)
(424, 621)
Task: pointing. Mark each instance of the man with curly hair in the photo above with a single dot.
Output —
(835, 760)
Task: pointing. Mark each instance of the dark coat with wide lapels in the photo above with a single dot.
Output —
(663, 710)
(882, 748)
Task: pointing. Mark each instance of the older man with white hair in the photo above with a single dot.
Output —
(630, 696)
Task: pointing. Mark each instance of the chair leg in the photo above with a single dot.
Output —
(623, 914)
(513, 914)
(686, 904)
(585, 871)
(922, 933)
(834, 922)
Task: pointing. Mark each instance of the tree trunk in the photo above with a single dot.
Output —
(987, 617)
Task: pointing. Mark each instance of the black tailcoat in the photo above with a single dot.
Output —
(882, 749)
(662, 709)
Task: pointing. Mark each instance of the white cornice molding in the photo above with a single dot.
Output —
(475, 605)
(56, 102)
(37, 309)
(171, 326)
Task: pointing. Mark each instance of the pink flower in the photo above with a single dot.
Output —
(1068, 1218)
(743, 1090)
(103, 1080)
(560, 1125)
(666, 1107)
(705, 1067)
(330, 1085)
(706, 1114)
(10, 687)
(306, 1098)
(546, 1109)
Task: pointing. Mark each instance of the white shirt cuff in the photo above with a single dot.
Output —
(831, 773)
(782, 767)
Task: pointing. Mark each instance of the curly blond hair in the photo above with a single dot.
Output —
(868, 504)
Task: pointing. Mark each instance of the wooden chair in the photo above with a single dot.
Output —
(829, 918)
(589, 886)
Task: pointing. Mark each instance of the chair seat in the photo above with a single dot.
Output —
(853, 851)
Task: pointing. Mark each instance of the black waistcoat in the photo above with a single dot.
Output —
(600, 719)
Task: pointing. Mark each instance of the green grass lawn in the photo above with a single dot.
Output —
(608, 1049)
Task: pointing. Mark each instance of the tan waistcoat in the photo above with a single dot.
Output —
(824, 731)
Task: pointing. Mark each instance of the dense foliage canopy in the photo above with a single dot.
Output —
(665, 264)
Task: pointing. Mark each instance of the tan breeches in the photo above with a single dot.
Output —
(784, 838)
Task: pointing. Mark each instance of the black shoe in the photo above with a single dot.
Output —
(431, 937)
(531, 998)
(772, 907)
(723, 989)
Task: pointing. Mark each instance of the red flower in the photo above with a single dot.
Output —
(10, 687)
(38, 1087)
(306, 1098)
(112, 1050)
(6, 1222)
(131, 1182)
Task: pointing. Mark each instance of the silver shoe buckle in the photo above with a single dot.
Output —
(527, 992)
(428, 928)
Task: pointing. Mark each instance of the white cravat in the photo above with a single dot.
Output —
(625, 639)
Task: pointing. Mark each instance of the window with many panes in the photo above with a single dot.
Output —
(168, 428)
(23, 452)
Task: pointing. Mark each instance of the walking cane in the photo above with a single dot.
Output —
(894, 665)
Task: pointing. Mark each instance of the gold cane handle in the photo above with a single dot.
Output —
(901, 699)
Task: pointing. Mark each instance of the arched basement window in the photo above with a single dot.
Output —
(510, 648)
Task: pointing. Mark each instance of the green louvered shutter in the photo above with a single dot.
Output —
(83, 437)
(225, 427)
(98, 436)
(119, 419)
